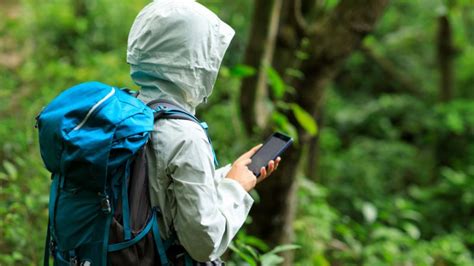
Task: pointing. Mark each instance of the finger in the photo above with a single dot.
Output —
(271, 167)
(242, 157)
(277, 162)
(245, 162)
(263, 175)
(256, 147)
(251, 152)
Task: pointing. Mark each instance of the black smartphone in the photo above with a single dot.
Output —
(273, 147)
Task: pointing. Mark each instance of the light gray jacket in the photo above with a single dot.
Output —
(175, 49)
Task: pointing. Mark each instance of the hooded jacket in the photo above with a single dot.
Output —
(175, 49)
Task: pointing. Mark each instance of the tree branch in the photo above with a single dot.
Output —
(406, 82)
(259, 53)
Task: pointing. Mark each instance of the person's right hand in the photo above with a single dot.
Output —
(241, 173)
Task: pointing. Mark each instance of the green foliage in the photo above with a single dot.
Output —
(305, 120)
(282, 124)
(396, 178)
(253, 251)
(277, 84)
(396, 165)
(54, 54)
(242, 71)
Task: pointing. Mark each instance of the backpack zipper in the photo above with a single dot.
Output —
(112, 92)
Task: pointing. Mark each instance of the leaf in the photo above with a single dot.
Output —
(284, 125)
(455, 122)
(3, 176)
(295, 73)
(301, 55)
(305, 119)
(412, 230)
(320, 260)
(242, 71)
(242, 255)
(369, 211)
(276, 82)
(11, 170)
(270, 259)
(331, 4)
(458, 178)
(255, 242)
(17, 256)
(282, 248)
(251, 251)
(279, 119)
(291, 131)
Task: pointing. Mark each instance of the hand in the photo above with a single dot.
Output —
(272, 166)
(241, 173)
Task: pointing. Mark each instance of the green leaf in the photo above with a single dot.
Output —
(276, 82)
(17, 256)
(305, 120)
(412, 230)
(458, 178)
(455, 122)
(302, 55)
(250, 250)
(3, 176)
(331, 4)
(242, 71)
(320, 260)
(11, 170)
(295, 73)
(282, 248)
(270, 259)
(242, 255)
(369, 211)
(255, 242)
(282, 123)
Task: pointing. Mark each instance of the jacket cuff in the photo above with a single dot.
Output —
(232, 192)
(222, 172)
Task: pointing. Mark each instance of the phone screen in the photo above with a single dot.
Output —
(271, 149)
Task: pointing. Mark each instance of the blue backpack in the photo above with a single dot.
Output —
(92, 139)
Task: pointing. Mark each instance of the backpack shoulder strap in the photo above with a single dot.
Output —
(167, 110)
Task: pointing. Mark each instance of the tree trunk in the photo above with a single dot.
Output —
(448, 144)
(445, 58)
(332, 40)
(313, 155)
(259, 54)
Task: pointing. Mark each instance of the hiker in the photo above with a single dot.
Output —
(175, 49)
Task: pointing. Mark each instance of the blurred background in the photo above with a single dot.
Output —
(378, 95)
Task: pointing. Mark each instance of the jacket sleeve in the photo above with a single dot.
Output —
(210, 208)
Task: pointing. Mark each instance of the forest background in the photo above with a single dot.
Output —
(378, 95)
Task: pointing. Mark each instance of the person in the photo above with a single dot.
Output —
(175, 49)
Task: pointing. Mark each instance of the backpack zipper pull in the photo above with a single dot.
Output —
(105, 205)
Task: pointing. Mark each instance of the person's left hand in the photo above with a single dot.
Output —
(272, 166)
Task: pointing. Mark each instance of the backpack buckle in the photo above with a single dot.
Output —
(105, 205)
(73, 261)
(52, 248)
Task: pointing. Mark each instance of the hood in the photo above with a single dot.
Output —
(175, 49)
